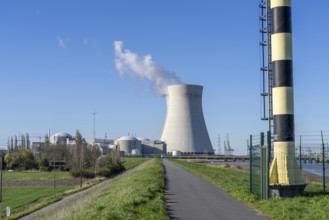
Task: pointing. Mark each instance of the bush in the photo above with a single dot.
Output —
(44, 169)
(21, 159)
(110, 166)
(111, 170)
(85, 172)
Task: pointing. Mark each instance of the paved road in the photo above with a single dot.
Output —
(190, 197)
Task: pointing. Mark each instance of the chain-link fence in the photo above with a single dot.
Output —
(311, 152)
(258, 153)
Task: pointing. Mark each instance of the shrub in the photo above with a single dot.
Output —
(85, 173)
(111, 170)
(44, 169)
(227, 166)
(20, 159)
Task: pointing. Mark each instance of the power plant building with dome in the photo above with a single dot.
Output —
(128, 145)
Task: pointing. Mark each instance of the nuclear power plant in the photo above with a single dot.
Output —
(185, 129)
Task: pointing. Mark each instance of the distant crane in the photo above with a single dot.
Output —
(219, 151)
(94, 133)
(228, 151)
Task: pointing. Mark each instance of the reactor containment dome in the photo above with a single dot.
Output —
(185, 128)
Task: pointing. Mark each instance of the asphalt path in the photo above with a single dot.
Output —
(190, 197)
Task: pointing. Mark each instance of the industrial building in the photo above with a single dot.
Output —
(132, 146)
(128, 145)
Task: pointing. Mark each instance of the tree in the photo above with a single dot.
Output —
(111, 164)
(78, 155)
(16, 142)
(8, 145)
(78, 152)
(11, 143)
(20, 159)
(91, 155)
(28, 143)
(22, 145)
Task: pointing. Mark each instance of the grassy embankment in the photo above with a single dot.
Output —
(26, 199)
(138, 194)
(131, 162)
(311, 206)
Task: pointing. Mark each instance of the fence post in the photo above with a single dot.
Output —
(262, 142)
(262, 166)
(1, 186)
(268, 160)
(269, 147)
(323, 166)
(300, 152)
(250, 162)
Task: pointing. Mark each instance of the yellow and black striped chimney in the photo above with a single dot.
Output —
(286, 179)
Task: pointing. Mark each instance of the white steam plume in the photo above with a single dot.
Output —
(129, 63)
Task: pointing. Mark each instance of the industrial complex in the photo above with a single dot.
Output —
(128, 145)
(184, 132)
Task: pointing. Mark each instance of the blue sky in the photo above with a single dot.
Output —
(57, 65)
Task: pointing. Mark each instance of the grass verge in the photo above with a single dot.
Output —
(131, 162)
(133, 195)
(311, 206)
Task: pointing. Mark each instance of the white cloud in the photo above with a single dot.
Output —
(129, 63)
(61, 42)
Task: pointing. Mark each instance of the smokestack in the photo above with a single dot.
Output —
(185, 128)
(286, 179)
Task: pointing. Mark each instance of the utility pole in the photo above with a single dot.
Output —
(0, 185)
(54, 166)
(323, 166)
(94, 114)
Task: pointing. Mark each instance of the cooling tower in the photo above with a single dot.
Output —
(185, 128)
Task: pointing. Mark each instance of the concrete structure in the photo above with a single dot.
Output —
(104, 145)
(286, 179)
(185, 128)
(176, 153)
(63, 137)
(127, 144)
(153, 147)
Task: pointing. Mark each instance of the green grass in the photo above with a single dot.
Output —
(17, 198)
(311, 206)
(29, 199)
(131, 162)
(25, 199)
(34, 175)
(138, 195)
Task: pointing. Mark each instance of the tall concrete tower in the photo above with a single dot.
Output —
(185, 128)
(286, 179)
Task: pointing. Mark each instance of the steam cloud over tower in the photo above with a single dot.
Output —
(285, 176)
(185, 128)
